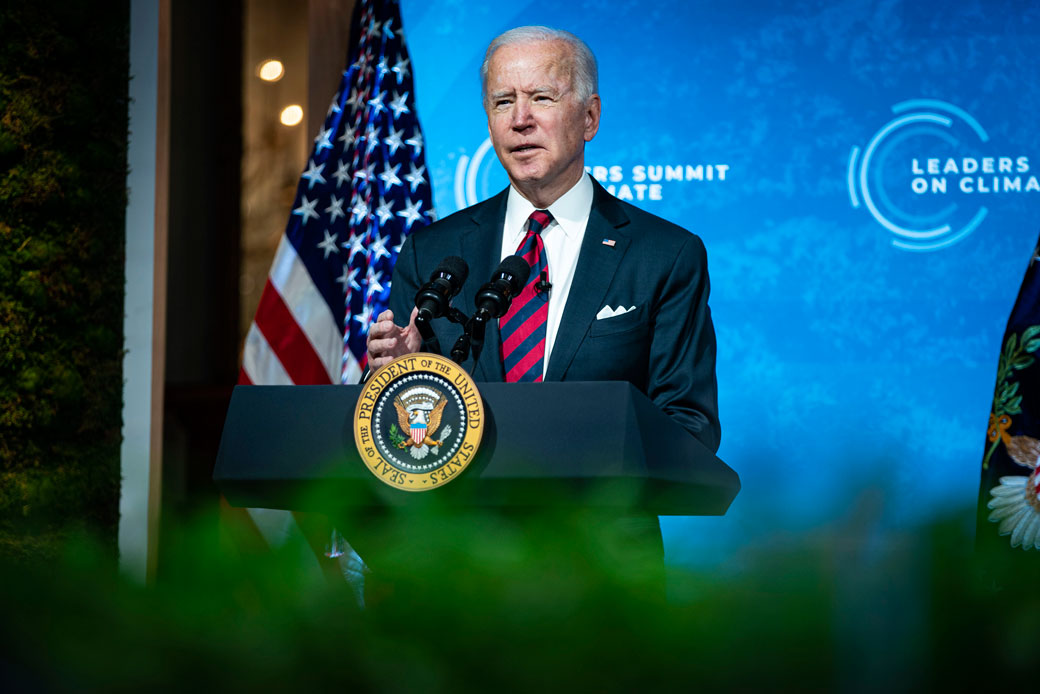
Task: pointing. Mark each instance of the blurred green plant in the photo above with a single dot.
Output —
(483, 606)
(63, 129)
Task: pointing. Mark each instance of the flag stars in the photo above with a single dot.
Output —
(389, 176)
(366, 174)
(382, 67)
(371, 138)
(359, 211)
(323, 140)
(415, 142)
(388, 32)
(349, 278)
(355, 99)
(411, 213)
(347, 138)
(400, 69)
(385, 211)
(365, 317)
(398, 105)
(335, 209)
(306, 209)
(329, 244)
(394, 141)
(342, 173)
(376, 102)
(334, 107)
(313, 174)
(374, 28)
(415, 177)
(357, 245)
(378, 247)
(372, 278)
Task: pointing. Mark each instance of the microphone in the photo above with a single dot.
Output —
(543, 285)
(436, 295)
(506, 281)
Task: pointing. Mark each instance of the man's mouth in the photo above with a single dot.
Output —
(524, 148)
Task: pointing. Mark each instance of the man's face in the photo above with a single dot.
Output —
(537, 124)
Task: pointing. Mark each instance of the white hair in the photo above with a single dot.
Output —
(585, 76)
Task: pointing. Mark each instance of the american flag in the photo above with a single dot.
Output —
(364, 189)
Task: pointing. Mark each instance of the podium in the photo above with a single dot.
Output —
(601, 445)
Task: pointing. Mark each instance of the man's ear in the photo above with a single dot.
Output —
(592, 109)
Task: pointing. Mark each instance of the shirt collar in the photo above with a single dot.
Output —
(570, 211)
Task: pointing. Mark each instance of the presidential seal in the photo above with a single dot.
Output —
(418, 422)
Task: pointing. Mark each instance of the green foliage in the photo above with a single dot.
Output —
(396, 437)
(476, 607)
(63, 125)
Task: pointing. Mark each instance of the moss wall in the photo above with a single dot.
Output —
(63, 130)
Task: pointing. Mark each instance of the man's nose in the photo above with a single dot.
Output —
(522, 115)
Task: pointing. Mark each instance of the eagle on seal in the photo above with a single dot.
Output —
(432, 420)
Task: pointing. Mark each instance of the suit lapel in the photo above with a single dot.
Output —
(597, 264)
(482, 246)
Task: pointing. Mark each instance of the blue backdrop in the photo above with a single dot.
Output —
(864, 176)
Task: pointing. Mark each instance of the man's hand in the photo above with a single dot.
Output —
(387, 341)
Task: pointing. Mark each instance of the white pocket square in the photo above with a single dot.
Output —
(607, 312)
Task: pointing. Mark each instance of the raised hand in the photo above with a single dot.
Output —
(387, 340)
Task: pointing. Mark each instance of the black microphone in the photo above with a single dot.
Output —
(543, 284)
(445, 282)
(506, 281)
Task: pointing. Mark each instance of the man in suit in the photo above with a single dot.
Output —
(616, 293)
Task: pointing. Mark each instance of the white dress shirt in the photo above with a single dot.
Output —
(562, 239)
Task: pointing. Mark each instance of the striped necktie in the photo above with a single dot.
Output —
(523, 326)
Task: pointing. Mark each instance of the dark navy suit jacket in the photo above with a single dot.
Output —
(665, 347)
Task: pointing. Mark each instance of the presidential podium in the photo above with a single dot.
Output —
(563, 470)
(547, 446)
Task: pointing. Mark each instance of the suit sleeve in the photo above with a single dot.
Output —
(682, 351)
(404, 283)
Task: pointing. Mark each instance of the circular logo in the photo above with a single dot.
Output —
(479, 177)
(912, 161)
(418, 422)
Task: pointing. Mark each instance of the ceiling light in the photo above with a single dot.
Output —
(292, 115)
(270, 70)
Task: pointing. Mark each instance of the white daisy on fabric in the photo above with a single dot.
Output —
(1015, 505)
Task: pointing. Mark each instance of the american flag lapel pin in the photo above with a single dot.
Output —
(609, 242)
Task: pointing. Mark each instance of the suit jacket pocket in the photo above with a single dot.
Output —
(626, 322)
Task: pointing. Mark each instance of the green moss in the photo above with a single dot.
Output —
(63, 126)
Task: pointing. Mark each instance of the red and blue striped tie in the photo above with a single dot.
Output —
(523, 326)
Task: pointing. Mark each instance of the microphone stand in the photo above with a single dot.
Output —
(472, 338)
(460, 350)
(477, 327)
(426, 333)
